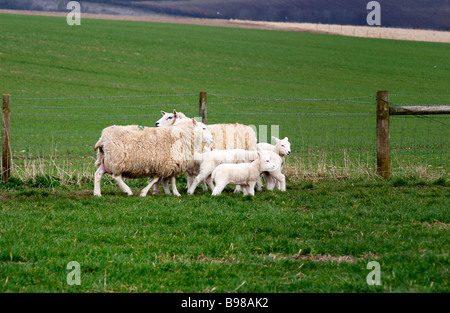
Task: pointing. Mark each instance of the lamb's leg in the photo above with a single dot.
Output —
(238, 189)
(204, 185)
(244, 189)
(281, 180)
(174, 187)
(251, 188)
(124, 187)
(97, 181)
(190, 179)
(156, 188)
(270, 181)
(150, 185)
(210, 183)
(259, 183)
(199, 178)
(218, 188)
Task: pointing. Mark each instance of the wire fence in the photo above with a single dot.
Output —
(56, 135)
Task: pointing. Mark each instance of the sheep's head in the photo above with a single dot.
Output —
(207, 137)
(283, 145)
(265, 162)
(169, 119)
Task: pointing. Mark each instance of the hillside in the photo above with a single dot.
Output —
(422, 14)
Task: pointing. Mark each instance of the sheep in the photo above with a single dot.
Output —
(242, 174)
(211, 159)
(227, 136)
(134, 152)
(282, 148)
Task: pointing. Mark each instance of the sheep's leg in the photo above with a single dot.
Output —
(174, 187)
(165, 183)
(156, 188)
(204, 185)
(97, 181)
(238, 189)
(244, 189)
(150, 185)
(124, 187)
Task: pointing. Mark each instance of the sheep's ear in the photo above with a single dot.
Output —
(194, 121)
(163, 113)
(259, 154)
(174, 113)
(286, 138)
(275, 139)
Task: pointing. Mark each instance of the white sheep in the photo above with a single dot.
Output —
(227, 136)
(282, 148)
(242, 174)
(135, 152)
(210, 160)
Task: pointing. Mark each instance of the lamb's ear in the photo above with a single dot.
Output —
(286, 138)
(194, 121)
(163, 113)
(174, 113)
(275, 139)
(259, 154)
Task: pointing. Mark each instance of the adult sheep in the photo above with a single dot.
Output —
(226, 136)
(135, 152)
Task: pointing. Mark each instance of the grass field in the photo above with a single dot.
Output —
(67, 83)
(314, 238)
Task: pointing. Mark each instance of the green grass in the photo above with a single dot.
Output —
(272, 242)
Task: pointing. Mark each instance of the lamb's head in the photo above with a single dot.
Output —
(168, 119)
(283, 145)
(265, 162)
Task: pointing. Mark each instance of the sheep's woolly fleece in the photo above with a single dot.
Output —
(138, 152)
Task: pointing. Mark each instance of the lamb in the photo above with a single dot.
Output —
(282, 148)
(211, 159)
(242, 174)
(134, 152)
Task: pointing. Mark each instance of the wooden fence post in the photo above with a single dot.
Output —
(202, 107)
(6, 147)
(383, 136)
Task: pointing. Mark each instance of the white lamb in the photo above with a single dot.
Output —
(282, 148)
(242, 174)
(211, 159)
(134, 152)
